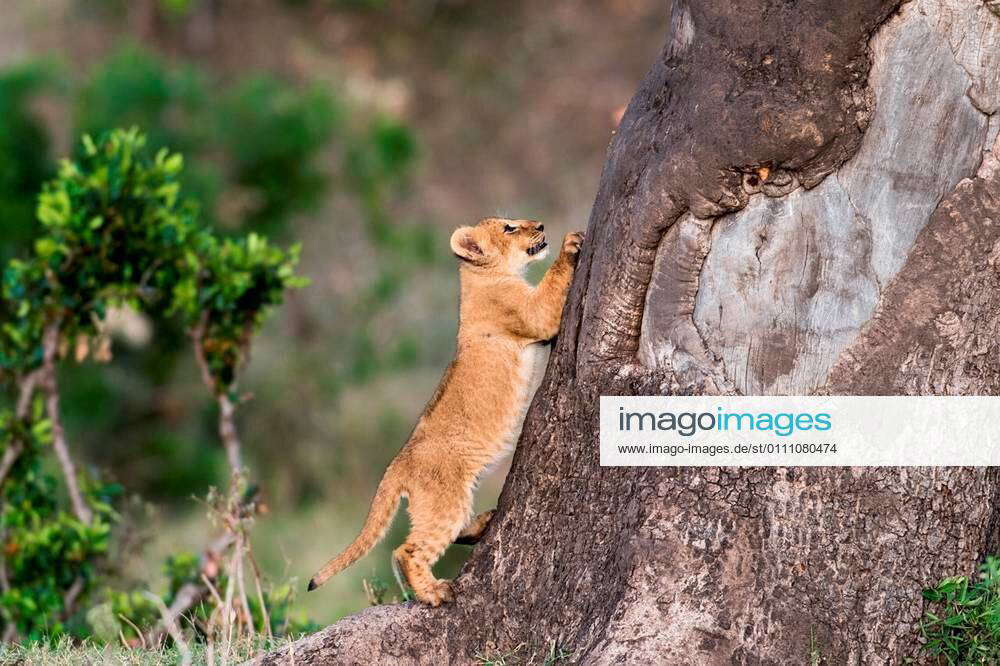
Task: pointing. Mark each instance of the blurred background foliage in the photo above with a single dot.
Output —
(118, 233)
(366, 130)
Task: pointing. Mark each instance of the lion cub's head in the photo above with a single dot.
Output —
(499, 244)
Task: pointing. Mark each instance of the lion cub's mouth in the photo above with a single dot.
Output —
(537, 247)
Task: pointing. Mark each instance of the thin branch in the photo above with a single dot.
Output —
(50, 345)
(213, 620)
(171, 625)
(27, 391)
(27, 387)
(211, 563)
(227, 411)
(227, 433)
(227, 615)
(10, 456)
(142, 639)
(212, 589)
(265, 616)
(234, 512)
(210, 638)
(191, 593)
(187, 596)
(241, 582)
(72, 594)
(197, 334)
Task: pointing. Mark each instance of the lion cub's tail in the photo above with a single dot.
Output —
(383, 508)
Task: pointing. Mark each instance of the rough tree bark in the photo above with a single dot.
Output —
(802, 197)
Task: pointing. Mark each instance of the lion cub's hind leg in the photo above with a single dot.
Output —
(473, 532)
(436, 518)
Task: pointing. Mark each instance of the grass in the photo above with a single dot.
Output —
(526, 655)
(815, 654)
(962, 622)
(66, 653)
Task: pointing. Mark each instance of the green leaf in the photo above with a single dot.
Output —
(88, 145)
(45, 247)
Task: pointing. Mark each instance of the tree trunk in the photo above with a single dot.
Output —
(802, 198)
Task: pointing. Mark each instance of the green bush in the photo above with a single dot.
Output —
(272, 134)
(253, 162)
(116, 232)
(46, 551)
(253, 146)
(229, 286)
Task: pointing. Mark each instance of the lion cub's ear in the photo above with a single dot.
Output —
(464, 245)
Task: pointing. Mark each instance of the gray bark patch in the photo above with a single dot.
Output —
(674, 342)
(789, 282)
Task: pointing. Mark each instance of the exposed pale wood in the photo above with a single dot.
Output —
(789, 282)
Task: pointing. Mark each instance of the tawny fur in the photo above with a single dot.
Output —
(476, 413)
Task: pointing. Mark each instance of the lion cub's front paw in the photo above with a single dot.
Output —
(435, 594)
(572, 242)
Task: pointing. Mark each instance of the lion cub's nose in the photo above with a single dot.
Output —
(540, 227)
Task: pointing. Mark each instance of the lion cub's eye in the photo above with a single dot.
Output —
(507, 229)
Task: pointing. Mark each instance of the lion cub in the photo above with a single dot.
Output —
(477, 411)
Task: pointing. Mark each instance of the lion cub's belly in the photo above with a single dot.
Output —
(531, 367)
